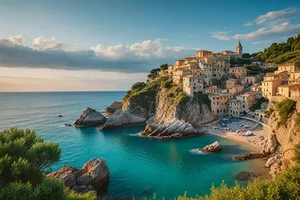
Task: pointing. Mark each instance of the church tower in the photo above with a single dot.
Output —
(239, 48)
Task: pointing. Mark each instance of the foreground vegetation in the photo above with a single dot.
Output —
(24, 159)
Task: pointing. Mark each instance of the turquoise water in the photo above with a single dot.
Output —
(138, 166)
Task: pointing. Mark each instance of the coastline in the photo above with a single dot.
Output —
(252, 143)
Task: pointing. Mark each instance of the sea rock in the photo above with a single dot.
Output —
(272, 160)
(245, 176)
(275, 169)
(248, 156)
(212, 147)
(60, 116)
(90, 117)
(172, 129)
(93, 176)
(110, 110)
(121, 118)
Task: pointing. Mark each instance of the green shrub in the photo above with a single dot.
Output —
(258, 102)
(203, 99)
(285, 108)
(269, 112)
(23, 159)
(163, 66)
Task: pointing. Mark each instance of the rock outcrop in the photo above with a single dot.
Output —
(121, 118)
(212, 147)
(190, 111)
(110, 110)
(249, 156)
(172, 129)
(90, 117)
(93, 176)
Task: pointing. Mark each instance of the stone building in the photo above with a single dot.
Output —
(192, 84)
(219, 104)
(237, 89)
(230, 83)
(246, 99)
(239, 49)
(234, 108)
(203, 53)
(237, 72)
(288, 90)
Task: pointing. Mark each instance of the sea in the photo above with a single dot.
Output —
(139, 166)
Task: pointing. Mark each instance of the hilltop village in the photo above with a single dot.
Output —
(232, 91)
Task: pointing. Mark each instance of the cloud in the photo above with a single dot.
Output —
(282, 29)
(275, 15)
(42, 43)
(220, 35)
(274, 23)
(262, 42)
(17, 39)
(50, 53)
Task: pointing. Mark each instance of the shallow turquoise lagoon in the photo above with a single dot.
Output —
(138, 165)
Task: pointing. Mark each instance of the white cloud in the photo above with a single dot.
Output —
(274, 23)
(17, 39)
(42, 43)
(277, 30)
(275, 15)
(262, 42)
(220, 35)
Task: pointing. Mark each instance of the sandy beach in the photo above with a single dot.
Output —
(253, 142)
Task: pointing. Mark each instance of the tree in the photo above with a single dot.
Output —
(24, 157)
(163, 66)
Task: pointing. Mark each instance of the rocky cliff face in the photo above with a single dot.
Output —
(282, 137)
(90, 117)
(191, 111)
(287, 135)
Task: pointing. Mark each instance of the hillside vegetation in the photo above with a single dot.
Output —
(285, 52)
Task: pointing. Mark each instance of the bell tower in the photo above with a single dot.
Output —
(239, 48)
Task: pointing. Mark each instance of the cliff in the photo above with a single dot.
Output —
(160, 102)
(284, 126)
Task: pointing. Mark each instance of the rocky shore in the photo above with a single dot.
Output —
(91, 177)
(172, 129)
(121, 118)
(90, 117)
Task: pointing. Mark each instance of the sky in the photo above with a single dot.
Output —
(104, 45)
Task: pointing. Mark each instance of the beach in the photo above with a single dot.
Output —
(253, 142)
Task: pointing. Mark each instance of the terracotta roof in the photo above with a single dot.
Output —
(272, 80)
(287, 64)
(204, 51)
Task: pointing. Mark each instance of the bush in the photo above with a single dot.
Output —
(138, 86)
(203, 99)
(23, 159)
(269, 112)
(258, 102)
(285, 108)
(298, 119)
(286, 186)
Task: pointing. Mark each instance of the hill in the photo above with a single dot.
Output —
(285, 52)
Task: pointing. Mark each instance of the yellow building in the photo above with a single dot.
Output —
(291, 67)
(238, 72)
(286, 90)
(295, 92)
(237, 89)
(269, 88)
(203, 53)
(230, 83)
(246, 99)
(179, 63)
(294, 77)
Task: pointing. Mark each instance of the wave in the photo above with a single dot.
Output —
(196, 151)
